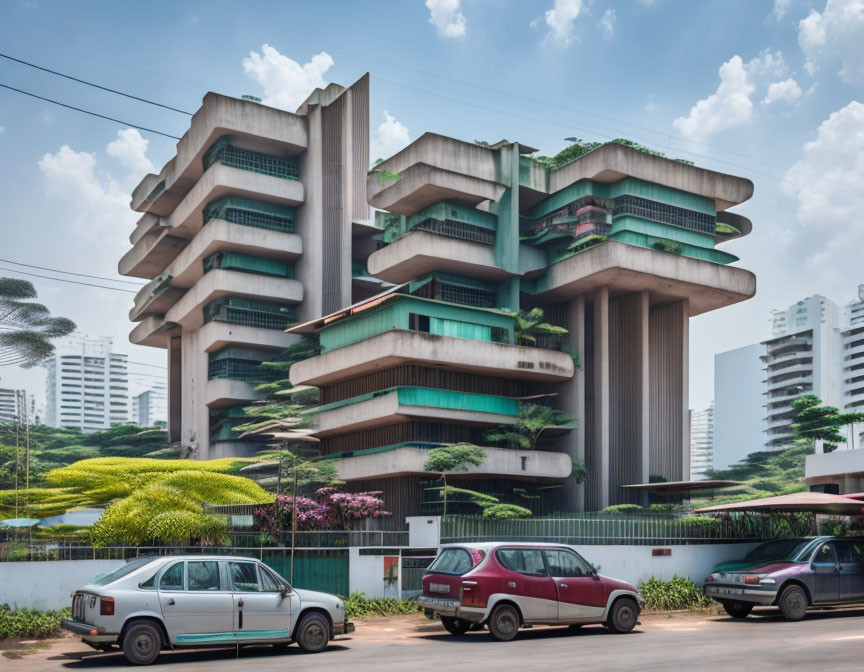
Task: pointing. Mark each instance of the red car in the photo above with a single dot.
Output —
(509, 585)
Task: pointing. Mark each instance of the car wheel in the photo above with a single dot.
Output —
(624, 615)
(455, 626)
(504, 623)
(793, 603)
(738, 609)
(142, 643)
(313, 633)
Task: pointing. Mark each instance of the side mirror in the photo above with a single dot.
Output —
(284, 591)
(595, 570)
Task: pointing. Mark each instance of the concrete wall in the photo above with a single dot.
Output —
(366, 575)
(48, 585)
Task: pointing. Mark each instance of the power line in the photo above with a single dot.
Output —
(73, 282)
(94, 114)
(156, 366)
(83, 275)
(97, 86)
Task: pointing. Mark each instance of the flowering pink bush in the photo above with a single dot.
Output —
(330, 510)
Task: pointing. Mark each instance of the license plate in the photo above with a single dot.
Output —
(727, 591)
(439, 588)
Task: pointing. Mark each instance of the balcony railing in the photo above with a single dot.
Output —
(248, 212)
(455, 229)
(249, 313)
(222, 151)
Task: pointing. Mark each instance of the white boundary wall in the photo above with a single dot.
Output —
(48, 584)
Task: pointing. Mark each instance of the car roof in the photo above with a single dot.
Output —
(204, 557)
(489, 545)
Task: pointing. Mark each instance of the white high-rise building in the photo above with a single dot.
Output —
(10, 404)
(852, 340)
(701, 442)
(738, 404)
(87, 384)
(150, 407)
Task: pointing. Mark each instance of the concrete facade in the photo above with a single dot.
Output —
(619, 247)
(11, 405)
(701, 442)
(246, 230)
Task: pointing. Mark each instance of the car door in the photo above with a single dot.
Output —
(527, 580)
(581, 595)
(196, 605)
(261, 610)
(825, 574)
(850, 554)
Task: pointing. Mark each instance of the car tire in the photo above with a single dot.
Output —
(455, 626)
(504, 622)
(793, 603)
(142, 643)
(313, 633)
(738, 609)
(623, 616)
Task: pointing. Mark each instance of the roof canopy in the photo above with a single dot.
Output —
(677, 486)
(812, 502)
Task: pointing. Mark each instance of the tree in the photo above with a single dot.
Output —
(456, 457)
(532, 421)
(814, 422)
(26, 328)
(530, 326)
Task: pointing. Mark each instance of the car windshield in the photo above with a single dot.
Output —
(128, 568)
(452, 561)
(780, 549)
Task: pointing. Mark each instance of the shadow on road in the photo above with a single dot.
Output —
(525, 634)
(773, 615)
(94, 659)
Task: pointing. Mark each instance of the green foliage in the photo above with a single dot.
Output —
(835, 528)
(814, 422)
(505, 512)
(30, 623)
(357, 606)
(580, 472)
(479, 498)
(530, 326)
(679, 593)
(579, 148)
(456, 457)
(667, 246)
(532, 421)
(703, 522)
(724, 229)
(621, 509)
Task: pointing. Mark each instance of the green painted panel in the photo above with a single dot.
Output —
(248, 263)
(641, 240)
(364, 326)
(325, 571)
(464, 401)
(478, 332)
(659, 230)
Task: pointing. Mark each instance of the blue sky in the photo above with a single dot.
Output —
(769, 90)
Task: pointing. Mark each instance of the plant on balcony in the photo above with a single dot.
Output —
(667, 246)
(530, 328)
(491, 506)
(330, 509)
(814, 422)
(26, 328)
(532, 421)
(580, 472)
(456, 457)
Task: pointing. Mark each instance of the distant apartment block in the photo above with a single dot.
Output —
(739, 404)
(150, 407)
(701, 442)
(11, 402)
(87, 386)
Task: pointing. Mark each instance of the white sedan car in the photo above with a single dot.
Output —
(155, 603)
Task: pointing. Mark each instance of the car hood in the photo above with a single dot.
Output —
(616, 584)
(742, 567)
(316, 596)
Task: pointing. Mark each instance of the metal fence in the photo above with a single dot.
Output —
(629, 530)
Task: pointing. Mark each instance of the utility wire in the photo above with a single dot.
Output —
(74, 282)
(82, 275)
(96, 86)
(94, 114)
(155, 366)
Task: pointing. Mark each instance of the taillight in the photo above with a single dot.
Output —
(751, 580)
(106, 606)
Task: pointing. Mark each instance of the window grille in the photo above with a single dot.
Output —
(247, 263)
(665, 213)
(453, 229)
(250, 313)
(222, 151)
(236, 369)
(248, 212)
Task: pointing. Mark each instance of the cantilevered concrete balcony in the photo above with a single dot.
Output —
(218, 116)
(151, 253)
(628, 268)
(533, 465)
(223, 392)
(401, 404)
(420, 252)
(154, 331)
(155, 298)
(216, 335)
(500, 360)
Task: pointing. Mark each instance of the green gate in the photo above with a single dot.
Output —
(324, 570)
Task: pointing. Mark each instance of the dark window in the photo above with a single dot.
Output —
(269, 584)
(244, 578)
(172, 579)
(527, 561)
(452, 561)
(418, 322)
(128, 568)
(203, 575)
(564, 564)
(851, 551)
(824, 555)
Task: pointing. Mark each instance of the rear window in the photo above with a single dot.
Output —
(452, 561)
(125, 570)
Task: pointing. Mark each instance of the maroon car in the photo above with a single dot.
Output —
(793, 574)
(509, 585)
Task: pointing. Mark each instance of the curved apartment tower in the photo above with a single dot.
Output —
(620, 247)
(247, 229)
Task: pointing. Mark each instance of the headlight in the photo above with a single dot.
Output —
(767, 582)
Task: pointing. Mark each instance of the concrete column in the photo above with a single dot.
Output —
(645, 388)
(685, 389)
(175, 390)
(600, 463)
(572, 398)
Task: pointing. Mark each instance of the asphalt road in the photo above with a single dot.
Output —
(694, 642)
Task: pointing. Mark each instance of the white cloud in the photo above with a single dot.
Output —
(2, 130)
(780, 8)
(787, 91)
(131, 150)
(728, 106)
(390, 138)
(767, 65)
(836, 33)
(607, 22)
(286, 83)
(827, 185)
(560, 20)
(447, 18)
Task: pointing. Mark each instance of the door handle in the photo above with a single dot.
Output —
(240, 603)
(171, 601)
(563, 585)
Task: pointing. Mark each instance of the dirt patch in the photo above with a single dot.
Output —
(12, 649)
